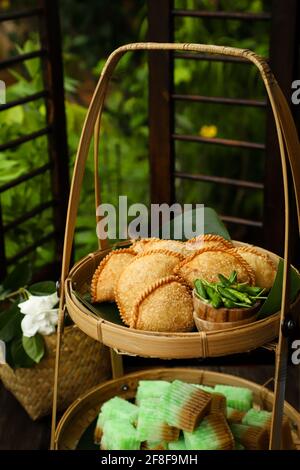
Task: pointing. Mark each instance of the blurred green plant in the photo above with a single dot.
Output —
(124, 165)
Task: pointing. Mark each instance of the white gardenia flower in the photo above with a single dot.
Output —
(40, 316)
(38, 303)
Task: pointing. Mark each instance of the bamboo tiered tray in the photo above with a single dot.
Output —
(211, 343)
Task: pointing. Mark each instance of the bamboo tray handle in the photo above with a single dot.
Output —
(288, 144)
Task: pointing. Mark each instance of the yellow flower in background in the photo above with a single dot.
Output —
(4, 4)
(208, 131)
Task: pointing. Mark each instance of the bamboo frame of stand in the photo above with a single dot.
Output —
(289, 152)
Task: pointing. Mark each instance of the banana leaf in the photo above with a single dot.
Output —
(106, 310)
(273, 302)
(212, 223)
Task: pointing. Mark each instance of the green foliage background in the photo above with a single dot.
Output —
(89, 35)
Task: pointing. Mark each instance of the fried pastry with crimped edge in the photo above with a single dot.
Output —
(214, 261)
(164, 244)
(262, 265)
(108, 273)
(139, 244)
(145, 269)
(165, 306)
(208, 240)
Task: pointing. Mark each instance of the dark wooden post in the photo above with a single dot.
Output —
(160, 104)
(282, 61)
(57, 142)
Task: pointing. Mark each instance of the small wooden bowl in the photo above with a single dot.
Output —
(204, 325)
(206, 312)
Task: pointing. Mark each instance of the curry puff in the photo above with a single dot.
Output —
(207, 241)
(171, 245)
(139, 245)
(207, 263)
(145, 269)
(108, 273)
(262, 265)
(166, 305)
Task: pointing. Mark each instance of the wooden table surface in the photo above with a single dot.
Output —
(19, 432)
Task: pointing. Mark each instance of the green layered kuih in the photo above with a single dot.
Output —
(185, 405)
(239, 398)
(234, 416)
(252, 437)
(151, 425)
(116, 408)
(155, 445)
(119, 435)
(206, 388)
(260, 418)
(151, 389)
(177, 445)
(213, 433)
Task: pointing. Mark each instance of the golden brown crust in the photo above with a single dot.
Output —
(162, 251)
(121, 309)
(139, 244)
(255, 251)
(265, 275)
(156, 285)
(119, 298)
(164, 244)
(148, 291)
(102, 265)
(210, 237)
(220, 249)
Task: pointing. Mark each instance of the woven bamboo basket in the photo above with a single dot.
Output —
(162, 345)
(178, 345)
(84, 411)
(84, 364)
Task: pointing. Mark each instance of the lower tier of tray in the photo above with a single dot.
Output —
(75, 429)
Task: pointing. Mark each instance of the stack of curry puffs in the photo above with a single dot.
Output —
(152, 281)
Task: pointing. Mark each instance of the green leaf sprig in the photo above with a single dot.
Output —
(228, 293)
(21, 351)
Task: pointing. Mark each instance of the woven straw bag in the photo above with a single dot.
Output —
(84, 364)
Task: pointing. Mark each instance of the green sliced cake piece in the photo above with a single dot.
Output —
(218, 403)
(251, 437)
(240, 398)
(177, 445)
(151, 424)
(155, 445)
(119, 408)
(234, 416)
(119, 435)
(185, 405)
(206, 388)
(260, 418)
(151, 389)
(115, 408)
(213, 433)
